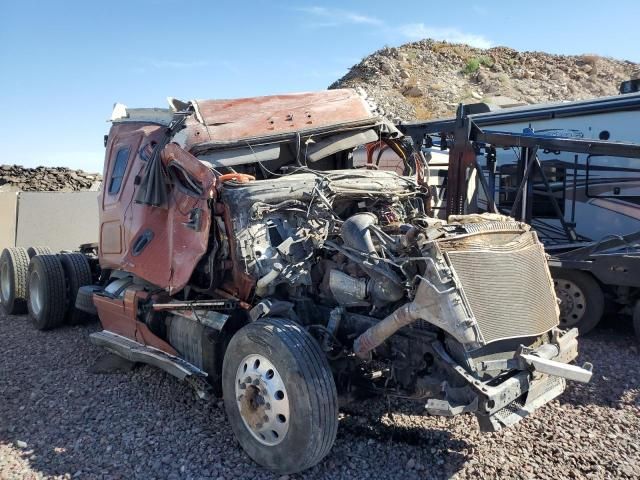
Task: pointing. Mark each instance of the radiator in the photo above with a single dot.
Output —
(506, 283)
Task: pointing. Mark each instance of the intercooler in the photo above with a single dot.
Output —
(506, 282)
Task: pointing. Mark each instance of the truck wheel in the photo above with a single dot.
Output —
(636, 319)
(46, 294)
(582, 301)
(14, 267)
(77, 272)
(279, 395)
(33, 251)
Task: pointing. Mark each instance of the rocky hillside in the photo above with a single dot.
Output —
(16, 177)
(428, 79)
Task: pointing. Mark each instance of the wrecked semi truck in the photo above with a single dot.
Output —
(242, 252)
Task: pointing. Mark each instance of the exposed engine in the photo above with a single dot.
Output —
(353, 256)
(300, 232)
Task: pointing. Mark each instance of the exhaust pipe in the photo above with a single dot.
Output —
(441, 308)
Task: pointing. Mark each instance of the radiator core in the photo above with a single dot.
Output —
(506, 282)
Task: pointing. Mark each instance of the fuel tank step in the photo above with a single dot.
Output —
(137, 352)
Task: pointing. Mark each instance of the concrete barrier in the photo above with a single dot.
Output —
(8, 218)
(60, 220)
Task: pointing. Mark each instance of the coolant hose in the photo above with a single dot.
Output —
(355, 232)
(263, 285)
(387, 287)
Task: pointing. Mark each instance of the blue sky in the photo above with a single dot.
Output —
(65, 63)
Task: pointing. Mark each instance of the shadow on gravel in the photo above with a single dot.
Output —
(615, 354)
(448, 454)
(415, 436)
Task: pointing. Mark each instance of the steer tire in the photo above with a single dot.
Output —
(84, 299)
(77, 273)
(308, 421)
(47, 290)
(33, 251)
(585, 296)
(14, 268)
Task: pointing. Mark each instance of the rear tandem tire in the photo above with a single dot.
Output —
(636, 320)
(14, 268)
(582, 300)
(33, 251)
(46, 294)
(77, 274)
(280, 395)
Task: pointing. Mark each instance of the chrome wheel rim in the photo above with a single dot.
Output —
(5, 278)
(572, 302)
(262, 400)
(35, 293)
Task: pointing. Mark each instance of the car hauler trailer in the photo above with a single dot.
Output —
(597, 193)
(242, 252)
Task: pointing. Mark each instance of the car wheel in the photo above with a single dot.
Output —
(581, 299)
(77, 274)
(14, 268)
(280, 395)
(46, 293)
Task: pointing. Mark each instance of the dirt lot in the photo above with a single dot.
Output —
(57, 420)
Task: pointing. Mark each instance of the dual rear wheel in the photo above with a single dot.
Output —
(43, 284)
(14, 270)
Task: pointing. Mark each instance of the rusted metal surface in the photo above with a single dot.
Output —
(116, 315)
(229, 120)
(170, 257)
(241, 283)
(120, 316)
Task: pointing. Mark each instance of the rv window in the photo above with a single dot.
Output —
(542, 203)
(612, 177)
(542, 206)
(119, 168)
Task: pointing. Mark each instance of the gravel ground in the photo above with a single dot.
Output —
(57, 420)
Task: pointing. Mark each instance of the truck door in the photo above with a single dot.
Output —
(160, 244)
(122, 164)
(167, 241)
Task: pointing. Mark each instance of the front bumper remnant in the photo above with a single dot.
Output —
(532, 379)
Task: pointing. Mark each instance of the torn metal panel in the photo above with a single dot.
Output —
(264, 212)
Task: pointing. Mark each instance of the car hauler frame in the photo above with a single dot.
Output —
(577, 263)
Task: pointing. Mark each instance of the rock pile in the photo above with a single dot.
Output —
(428, 79)
(49, 179)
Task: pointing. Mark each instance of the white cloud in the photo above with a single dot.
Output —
(357, 18)
(418, 31)
(332, 17)
(178, 64)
